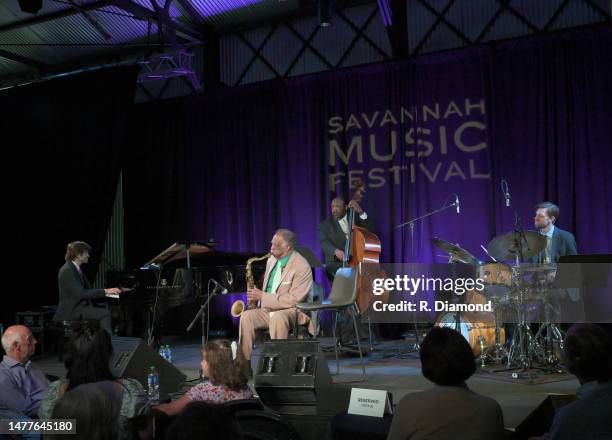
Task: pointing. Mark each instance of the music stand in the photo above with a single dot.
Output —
(175, 252)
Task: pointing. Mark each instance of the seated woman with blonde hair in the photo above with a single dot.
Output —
(225, 368)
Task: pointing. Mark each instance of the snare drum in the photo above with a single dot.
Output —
(497, 278)
(495, 274)
(471, 329)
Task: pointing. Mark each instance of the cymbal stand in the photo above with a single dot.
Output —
(549, 336)
(483, 351)
(452, 262)
(496, 353)
(523, 341)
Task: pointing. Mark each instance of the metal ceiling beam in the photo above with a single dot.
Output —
(397, 30)
(22, 60)
(307, 8)
(164, 14)
(40, 19)
(186, 7)
(93, 21)
(146, 14)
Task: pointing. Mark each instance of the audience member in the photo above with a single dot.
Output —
(225, 368)
(88, 361)
(588, 355)
(95, 408)
(204, 420)
(448, 410)
(22, 384)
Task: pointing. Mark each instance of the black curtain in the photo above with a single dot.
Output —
(61, 149)
(151, 186)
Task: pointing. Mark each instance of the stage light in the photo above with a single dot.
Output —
(30, 6)
(324, 10)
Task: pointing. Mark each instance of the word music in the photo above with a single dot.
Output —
(448, 136)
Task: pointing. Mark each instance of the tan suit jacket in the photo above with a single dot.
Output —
(296, 282)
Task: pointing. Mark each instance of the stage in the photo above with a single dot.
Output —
(390, 367)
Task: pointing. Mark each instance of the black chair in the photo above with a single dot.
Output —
(314, 296)
(350, 426)
(244, 405)
(264, 425)
(343, 296)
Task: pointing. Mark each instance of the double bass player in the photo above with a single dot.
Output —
(334, 231)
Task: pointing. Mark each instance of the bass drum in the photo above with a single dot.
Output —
(473, 325)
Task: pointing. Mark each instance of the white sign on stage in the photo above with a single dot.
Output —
(373, 403)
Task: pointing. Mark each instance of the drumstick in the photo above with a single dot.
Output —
(485, 249)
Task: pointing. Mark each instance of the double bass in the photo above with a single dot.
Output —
(362, 246)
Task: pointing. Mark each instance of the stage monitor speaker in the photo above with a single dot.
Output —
(540, 420)
(291, 373)
(132, 358)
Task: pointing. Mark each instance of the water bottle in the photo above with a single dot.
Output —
(168, 354)
(153, 383)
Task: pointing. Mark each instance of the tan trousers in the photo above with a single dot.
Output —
(256, 319)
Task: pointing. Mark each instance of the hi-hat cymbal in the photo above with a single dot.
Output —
(506, 246)
(455, 251)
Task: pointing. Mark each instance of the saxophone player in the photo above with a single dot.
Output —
(287, 281)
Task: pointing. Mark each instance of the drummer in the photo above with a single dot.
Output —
(558, 241)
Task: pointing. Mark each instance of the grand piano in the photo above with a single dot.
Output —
(167, 291)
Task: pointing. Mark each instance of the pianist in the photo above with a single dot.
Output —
(75, 292)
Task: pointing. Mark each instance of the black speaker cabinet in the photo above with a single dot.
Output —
(291, 373)
(132, 358)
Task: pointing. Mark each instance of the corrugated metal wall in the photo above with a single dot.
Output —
(113, 255)
(358, 36)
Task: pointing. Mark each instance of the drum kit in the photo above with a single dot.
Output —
(513, 290)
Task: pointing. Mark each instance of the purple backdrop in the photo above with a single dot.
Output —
(535, 112)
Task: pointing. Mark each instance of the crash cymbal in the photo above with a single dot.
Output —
(456, 252)
(506, 247)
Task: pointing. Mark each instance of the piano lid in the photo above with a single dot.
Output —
(178, 251)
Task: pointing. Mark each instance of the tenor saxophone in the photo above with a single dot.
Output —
(238, 306)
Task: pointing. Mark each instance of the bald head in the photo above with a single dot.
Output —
(19, 343)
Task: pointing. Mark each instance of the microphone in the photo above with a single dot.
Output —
(506, 191)
(218, 287)
(457, 204)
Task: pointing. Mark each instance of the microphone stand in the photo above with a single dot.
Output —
(201, 315)
(411, 223)
(152, 313)
(429, 214)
